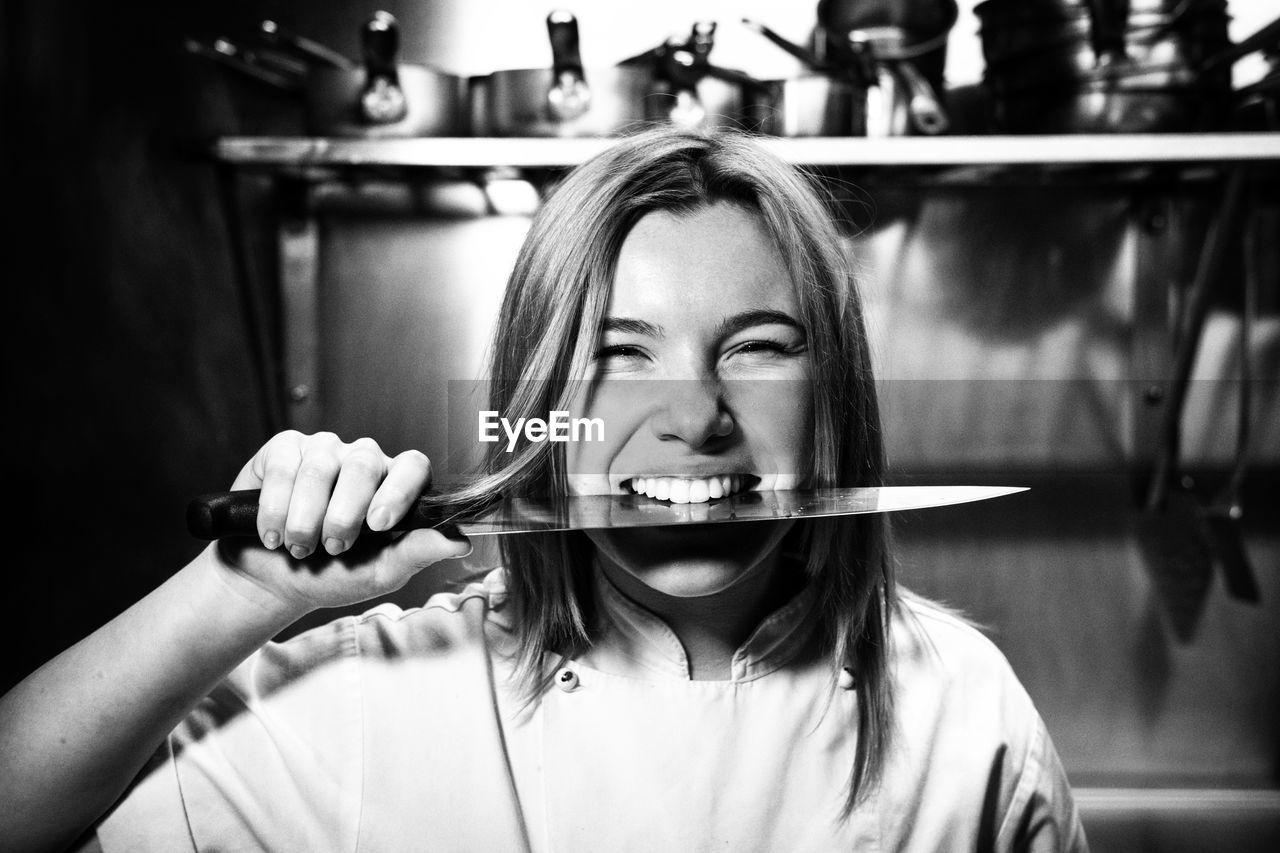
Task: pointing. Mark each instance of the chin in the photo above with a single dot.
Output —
(690, 560)
(689, 578)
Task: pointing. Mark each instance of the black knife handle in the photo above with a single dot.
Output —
(224, 515)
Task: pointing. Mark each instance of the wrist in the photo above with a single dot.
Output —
(247, 595)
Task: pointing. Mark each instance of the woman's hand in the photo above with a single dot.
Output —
(76, 731)
(316, 492)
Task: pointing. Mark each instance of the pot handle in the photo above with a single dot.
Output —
(382, 101)
(1267, 37)
(1109, 23)
(806, 56)
(229, 55)
(926, 113)
(312, 51)
(569, 96)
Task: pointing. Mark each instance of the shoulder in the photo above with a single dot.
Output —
(937, 648)
(446, 622)
(965, 722)
(956, 696)
(333, 663)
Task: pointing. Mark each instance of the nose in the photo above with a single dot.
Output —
(692, 411)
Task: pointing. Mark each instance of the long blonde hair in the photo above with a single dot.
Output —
(547, 331)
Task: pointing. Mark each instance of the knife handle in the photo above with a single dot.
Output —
(223, 515)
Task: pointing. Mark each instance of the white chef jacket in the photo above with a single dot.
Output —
(400, 731)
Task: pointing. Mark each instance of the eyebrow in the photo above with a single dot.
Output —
(728, 326)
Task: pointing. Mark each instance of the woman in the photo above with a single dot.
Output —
(757, 686)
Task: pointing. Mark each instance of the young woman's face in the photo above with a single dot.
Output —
(701, 379)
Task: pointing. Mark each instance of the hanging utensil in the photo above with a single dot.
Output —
(1222, 518)
(1169, 530)
(230, 514)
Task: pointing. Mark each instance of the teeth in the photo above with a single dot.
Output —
(686, 490)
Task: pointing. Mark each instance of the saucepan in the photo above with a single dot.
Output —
(1126, 96)
(564, 100)
(1151, 49)
(873, 87)
(825, 101)
(1006, 39)
(383, 97)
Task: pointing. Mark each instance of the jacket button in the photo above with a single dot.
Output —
(846, 681)
(567, 680)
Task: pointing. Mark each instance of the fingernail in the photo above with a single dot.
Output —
(271, 539)
(379, 518)
(334, 545)
(298, 552)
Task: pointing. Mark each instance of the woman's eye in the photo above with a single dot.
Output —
(768, 347)
(619, 353)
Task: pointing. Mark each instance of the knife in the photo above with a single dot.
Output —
(227, 514)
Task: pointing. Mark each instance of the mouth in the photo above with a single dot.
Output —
(691, 490)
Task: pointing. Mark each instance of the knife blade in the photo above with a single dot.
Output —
(222, 515)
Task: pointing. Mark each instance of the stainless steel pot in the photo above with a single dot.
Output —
(900, 100)
(1173, 76)
(1104, 108)
(565, 100)
(812, 105)
(383, 97)
(1146, 34)
(823, 102)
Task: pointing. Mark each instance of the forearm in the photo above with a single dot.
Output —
(76, 732)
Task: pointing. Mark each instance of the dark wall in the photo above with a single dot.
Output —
(127, 375)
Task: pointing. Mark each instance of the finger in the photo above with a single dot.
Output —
(363, 468)
(418, 549)
(273, 470)
(247, 479)
(407, 479)
(309, 497)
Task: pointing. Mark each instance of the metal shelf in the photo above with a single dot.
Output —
(303, 167)
(287, 152)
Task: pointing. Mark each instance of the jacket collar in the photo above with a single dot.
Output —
(633, 641)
